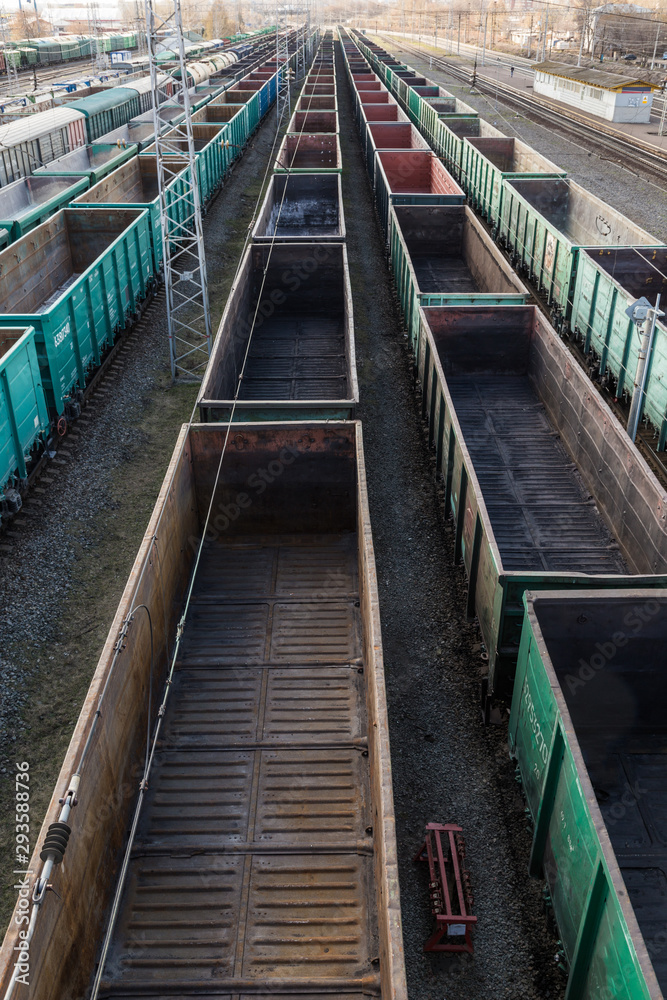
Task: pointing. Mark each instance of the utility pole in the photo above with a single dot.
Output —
(188, 316)
(486, 14)
(530, 36)
(458, 37)
(584, 27)
(645, 316)
(655, 47)
(10, 66)
(546, 27)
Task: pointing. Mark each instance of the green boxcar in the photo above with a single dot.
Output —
(587, 728)
(77, 279)
(92, 162)
(487, 163)
(441, 255)
(135, 185)
(608, 282)
(546, 490)
(107, 110)
(31, 200)
(545, 223)
(24, 416)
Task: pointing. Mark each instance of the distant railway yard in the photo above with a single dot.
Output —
(338, 668)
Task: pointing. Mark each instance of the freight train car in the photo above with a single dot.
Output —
(24, 417)
(300, 363)
(40, 138)
(441, 255)
(107, 110)
(545, 487)
(274, 821)
(26, 203)
(92, 162)
(77, 279)
(587, 728)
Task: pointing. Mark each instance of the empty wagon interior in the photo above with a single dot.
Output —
(416, 172)
(40, 266)
(581, 217)
(23, 196)
(135, 183)
(85, 157)
(314, 121)
(639, 272)
(450, 251)
(383, 113)
(395, 135)
(297, 330)
(216, 113)
(309, 152)
(510, 155)
(301, 205)
(620, 724)
(550, 501)
(9, 337)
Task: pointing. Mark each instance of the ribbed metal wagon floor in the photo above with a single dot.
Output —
(543, 517)
(252, 869)
(436, 273)
(296, 358)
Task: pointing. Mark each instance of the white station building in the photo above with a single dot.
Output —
(607, 95)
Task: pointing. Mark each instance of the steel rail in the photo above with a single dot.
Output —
(624, 151)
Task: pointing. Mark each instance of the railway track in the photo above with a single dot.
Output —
(631, 153)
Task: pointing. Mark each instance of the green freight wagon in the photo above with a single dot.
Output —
(487, 163)
(588, 731)
(78, 279)
(135, 185)
(212, 159)
(235, 117)
(107, 110)
(441, 255)
(545, 223)
(608, 282)
(31, 200)
(24, 416)
(546, 490)
(92, 162)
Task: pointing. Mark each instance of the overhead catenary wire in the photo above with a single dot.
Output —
(527, 253)
(179, 633)
(68, 801)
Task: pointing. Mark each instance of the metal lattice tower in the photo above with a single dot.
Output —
(97, 55)
(188, 314)
(283, 94)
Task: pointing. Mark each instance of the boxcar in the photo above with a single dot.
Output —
(323, 122)
(301, 361)
(107, 110)
(441, 255)
(300, 208)
(546, 489)
(92, 162)
(545, 223)
(24, 416)
(587, 728)
(39, 138)
(77, 279)
(307, 685)
(26, 203)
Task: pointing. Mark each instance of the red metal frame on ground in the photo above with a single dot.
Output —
(449, 888)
